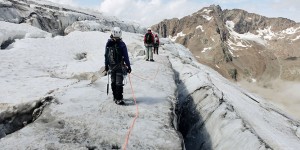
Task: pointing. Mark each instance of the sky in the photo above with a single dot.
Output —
(149, 12)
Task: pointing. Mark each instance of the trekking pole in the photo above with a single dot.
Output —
(108, 82)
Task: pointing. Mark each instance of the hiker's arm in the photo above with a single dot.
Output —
(106, 54)
(125, 53)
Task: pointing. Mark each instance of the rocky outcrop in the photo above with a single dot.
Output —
(250, 22)
(55, 18)
(49, 18)
(238, 44)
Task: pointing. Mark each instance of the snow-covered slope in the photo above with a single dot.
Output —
(55, 18)
(54, 74)
(82, 115)
(9, 32)
(216, 114)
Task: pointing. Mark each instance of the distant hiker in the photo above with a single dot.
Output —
(149, 42)
(115, 56)
(156, 44)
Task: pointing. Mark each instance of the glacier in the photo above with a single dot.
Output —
(53, 91)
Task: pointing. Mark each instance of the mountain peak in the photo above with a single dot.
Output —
(231, 35)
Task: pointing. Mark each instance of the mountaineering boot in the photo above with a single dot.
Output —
(119, 95)
(120, 102)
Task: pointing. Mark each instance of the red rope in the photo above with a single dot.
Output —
(134, 120)
(137, 107)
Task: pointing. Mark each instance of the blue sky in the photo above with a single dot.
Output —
(149, 12)
(88, 3)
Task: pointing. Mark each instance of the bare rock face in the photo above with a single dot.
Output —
(238, 44)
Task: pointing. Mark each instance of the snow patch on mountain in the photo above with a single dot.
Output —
(297, 38)
(207, 11)
(207, 17)
(200, 27)
(291, 30)
(267, 33)
(206, 49)
(180, 34)
(244, 37)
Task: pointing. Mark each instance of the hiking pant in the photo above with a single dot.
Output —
(117, 82)
(149, 52)
(155, 50)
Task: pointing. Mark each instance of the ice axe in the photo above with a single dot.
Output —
(108, 72)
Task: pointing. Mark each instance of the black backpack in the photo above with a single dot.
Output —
(149, 38)
(114, 54)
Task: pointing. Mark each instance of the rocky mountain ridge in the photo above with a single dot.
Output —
(238, 44)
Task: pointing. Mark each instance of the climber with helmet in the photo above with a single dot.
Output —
(115, 55)
(149, 42)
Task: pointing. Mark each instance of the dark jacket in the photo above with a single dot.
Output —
(122, 48)
(150, 44)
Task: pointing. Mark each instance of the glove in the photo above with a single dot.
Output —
(129, 69)
(106, 68)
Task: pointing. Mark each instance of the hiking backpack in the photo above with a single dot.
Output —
(149, 38)
(114, 54)
(156, 40)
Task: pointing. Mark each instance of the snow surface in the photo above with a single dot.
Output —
(234, 118)
(18, 31)
(5, 3)
(84, 116)
(55, 18)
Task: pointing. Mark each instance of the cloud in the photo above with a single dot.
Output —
(270, 8)
(286, 4)
(65, 2)
(149, 12)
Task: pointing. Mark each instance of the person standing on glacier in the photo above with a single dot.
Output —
(115, 55)
(156, 44)
(149, 42)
